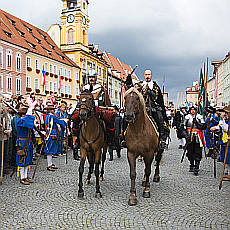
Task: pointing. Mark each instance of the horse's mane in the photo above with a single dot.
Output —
(142, 100)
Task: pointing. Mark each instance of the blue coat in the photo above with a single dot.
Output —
(51, 145)
(22, 125)
(214, 122)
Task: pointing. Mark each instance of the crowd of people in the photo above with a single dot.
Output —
(196, 133)
(31, 126)
(27, 120)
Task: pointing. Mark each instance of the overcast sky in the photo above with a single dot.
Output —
(171, 37)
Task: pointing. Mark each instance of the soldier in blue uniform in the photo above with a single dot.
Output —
(61, 114)
(211, 121)
(24, 146)
(51, 147)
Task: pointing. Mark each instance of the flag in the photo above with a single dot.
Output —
(201, 88)
(43, 77)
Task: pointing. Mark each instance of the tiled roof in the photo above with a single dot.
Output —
(119, 66)
(23, 34)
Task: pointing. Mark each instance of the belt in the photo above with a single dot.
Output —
(194, 130)
(23, 138)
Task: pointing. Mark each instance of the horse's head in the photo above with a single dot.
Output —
(86, 105)
(134, 103)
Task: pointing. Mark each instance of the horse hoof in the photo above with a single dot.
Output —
(101, 179)
(156, 179)
(132, 201)
(146, 194)
(143, 183)
(98, 195)
(80, 195)
(87, 182)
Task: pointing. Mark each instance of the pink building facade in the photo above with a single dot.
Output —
(12, 68)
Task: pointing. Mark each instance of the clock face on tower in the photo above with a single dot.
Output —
(70, 18)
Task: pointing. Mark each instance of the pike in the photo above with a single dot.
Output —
(225, 160)
(190, 136)
(2, 160)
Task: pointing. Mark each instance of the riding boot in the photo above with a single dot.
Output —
(196, 168)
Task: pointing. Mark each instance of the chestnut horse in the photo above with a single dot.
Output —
(92, 141)
(142, 139)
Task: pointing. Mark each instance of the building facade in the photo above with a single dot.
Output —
(12, 68)
(192, 94)
(45, 69)
(73, 34)
(211, 87)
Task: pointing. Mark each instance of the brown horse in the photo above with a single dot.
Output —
(142, 139)
(92, 140)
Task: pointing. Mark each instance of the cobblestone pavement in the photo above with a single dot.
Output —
(179, 201)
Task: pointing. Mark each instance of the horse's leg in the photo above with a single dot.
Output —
(103, 163)
(91, 167)
(97, 164)
(148, 162)
(81, 171)
(132, 165)
(156, 177)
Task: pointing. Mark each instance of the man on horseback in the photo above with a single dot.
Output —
(100, 95)
(155, 105)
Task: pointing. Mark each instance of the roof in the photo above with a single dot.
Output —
(35, 40)
(119, 66)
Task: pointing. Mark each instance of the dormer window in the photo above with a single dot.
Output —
(8, 34)
(71, 4)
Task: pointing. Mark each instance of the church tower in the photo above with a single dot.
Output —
(74, 25)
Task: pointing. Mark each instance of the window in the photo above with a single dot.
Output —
(77, 76)
(65, 89)
(1, 57)
(28, 62)
(46, 86)
(69, 74)
(55, 87)
(69, 90)
(1, 82)
(37, 64)
(36, 83)
(77, 91)
(51, 86)
(99, 71)
(51, 68)
(61, 71)
(9, 83)
(62, 89)
(9, 59)
(70, 36)
(46, 67)
(18, 84)
(55, 69)
(28, 82)
(18, 61)
(65, 72)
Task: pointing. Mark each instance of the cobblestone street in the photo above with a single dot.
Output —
(179, 201)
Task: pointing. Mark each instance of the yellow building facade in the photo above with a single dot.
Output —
(61, 80)
(74, 42)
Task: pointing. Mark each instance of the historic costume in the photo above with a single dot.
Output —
(24, 145)
(178, 122)
(61, 132)
(210, 137)
(51, 145)
(156, 109)
(194, 124)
